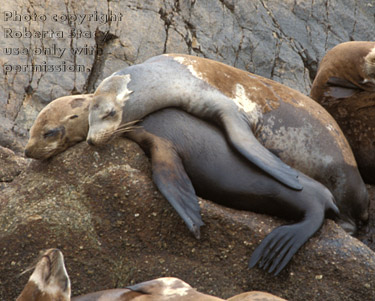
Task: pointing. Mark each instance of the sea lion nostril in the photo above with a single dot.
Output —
(90, 142)
(27, 153)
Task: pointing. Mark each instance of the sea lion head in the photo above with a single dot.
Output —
(105, 112)
(49, 281)
(61, 124)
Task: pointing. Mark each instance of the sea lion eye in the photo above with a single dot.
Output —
(109, 114)
(51, 133)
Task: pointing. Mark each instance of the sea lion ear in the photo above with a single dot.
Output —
(123, 92)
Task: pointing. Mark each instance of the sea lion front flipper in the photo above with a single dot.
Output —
(278, 248)
(340, 88)
(243, 139)
(171, 179)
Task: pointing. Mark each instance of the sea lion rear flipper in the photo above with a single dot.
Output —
(278, 248)
(171, 179)
(243, 139)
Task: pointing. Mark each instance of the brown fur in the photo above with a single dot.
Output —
(266, 93)
(49, 281)
(255, 296)
(61, 124)
(345, 86)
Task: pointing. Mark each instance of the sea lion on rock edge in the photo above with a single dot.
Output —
(191, 156)
(187, 152)
(50, 282)
(345, 86)
(249, 107)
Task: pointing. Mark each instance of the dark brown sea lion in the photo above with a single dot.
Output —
(345, 86)
(259, 116)
(50, 282)
(191, 156)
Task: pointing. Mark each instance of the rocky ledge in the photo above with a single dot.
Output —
(101, 208)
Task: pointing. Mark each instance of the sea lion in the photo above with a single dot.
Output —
(165, 81)
(56, 127)
(190, 155)
(50, 282)
(250, 108)
(345, 86)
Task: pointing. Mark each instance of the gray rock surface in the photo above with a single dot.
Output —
(114, 228)
(11, 166)
(282, 40)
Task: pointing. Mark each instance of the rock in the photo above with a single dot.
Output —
(281, 40)
(101, 208)
(367, 233)
(11, 166)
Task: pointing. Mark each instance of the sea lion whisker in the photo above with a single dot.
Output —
(126, 129)
(128, 124)
(113, 134)
(32, 266)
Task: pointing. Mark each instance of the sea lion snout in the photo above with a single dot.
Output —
(49, 281)
(90, 142)
(28, 153)
(34, 151)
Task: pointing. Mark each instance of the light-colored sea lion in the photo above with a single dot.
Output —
(190, 155)
(56, 127)
(250, 108)
(345, 86)
(50, 282)
(168, 81)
